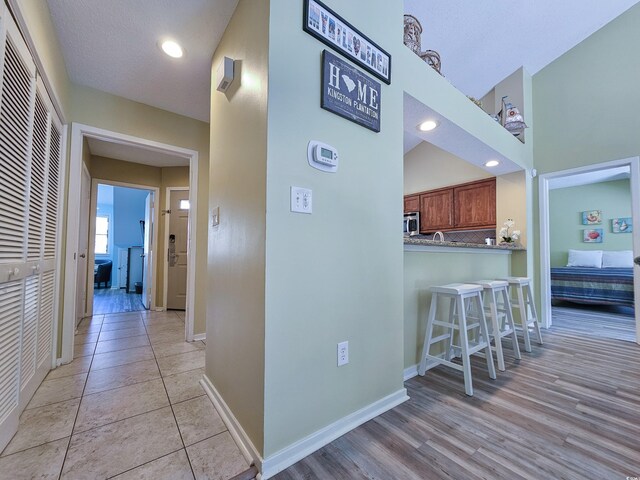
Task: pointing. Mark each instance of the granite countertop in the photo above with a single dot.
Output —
(417, 240)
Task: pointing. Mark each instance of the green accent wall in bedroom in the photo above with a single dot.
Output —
(565, 221)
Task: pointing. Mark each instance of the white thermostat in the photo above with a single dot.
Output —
(322, 156)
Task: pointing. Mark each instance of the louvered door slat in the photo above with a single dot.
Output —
(10, 316)
(29, 330)
(45, 317)
(37, 180)
(15, 112)
(53, 184)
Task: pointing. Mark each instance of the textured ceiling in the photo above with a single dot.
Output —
(482, 42)
(112, 45)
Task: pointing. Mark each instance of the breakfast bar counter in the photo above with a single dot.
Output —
(421, 244)
(428, 263)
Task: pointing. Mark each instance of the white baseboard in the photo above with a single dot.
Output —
(410, 372)
(306, 446)
(199, 336)
(243, 441)
(297, 451)
(160, 309)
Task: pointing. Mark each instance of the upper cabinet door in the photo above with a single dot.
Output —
(412, 204)
(475, 204)
(436, 210)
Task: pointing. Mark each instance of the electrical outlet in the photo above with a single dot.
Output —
(343, 353)
(301, 200)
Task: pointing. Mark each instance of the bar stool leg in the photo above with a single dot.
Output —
(532, 304)
(485, 333)
(427, 334)
(464, 345)
(510, 323)
(496, 329)
(449, 345)
(524, 319)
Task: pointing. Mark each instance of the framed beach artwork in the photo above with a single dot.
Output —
(592, 217)
(331, 29)
(621, 225)
(592, 236)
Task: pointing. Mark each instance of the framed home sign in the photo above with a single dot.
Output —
(349, 93)
(331, 29)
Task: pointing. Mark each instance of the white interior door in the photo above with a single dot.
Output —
(177, 250)
(83, 247)
(147, 283)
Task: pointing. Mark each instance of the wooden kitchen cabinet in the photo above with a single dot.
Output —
(412, 203)
(436, 210)
(475, 205)
(469, 206)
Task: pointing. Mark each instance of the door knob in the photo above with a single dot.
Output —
(636, 260)
(82, 255)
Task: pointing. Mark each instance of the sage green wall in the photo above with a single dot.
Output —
(334, 275)
(236, 267)
(565, 220)
(426, 269)
(584, 110)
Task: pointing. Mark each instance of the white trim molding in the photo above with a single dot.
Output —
(544, 185)
(410, 372)
(306, 446)
(199, 337)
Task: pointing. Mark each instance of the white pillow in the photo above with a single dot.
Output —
(623, 258)
(585, 258)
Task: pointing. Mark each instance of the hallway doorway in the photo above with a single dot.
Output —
(123, 238)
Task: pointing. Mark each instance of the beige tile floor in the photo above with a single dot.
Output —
(129, 406)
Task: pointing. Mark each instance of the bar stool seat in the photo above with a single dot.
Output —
(501, 318)
(526, 308)
(460, 297)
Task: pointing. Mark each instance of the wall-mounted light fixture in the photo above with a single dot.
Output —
(224, 74)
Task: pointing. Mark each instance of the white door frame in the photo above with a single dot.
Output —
(165, 261)
(85, 170)
(545, 243)
(93, 209)
(78, 133)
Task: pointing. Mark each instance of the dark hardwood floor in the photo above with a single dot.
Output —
(109, 300)
(568, 410)
(606, 321)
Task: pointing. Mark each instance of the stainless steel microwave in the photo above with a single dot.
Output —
(411, 223)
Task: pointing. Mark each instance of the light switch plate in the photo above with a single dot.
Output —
(215, 217)
(301, 200)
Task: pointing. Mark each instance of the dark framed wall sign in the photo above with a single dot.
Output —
(331, 29)
(349, 93)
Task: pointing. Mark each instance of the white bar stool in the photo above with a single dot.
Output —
(526, 306)
(458, 294)
(501, 324)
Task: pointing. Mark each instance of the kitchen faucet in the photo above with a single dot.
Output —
(440, 234)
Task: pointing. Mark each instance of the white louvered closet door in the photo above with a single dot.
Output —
(30, 161)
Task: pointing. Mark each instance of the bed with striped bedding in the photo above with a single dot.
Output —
(608, 286)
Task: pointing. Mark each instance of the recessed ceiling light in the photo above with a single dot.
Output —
(492, 163)
(172, 49)
(427, 126)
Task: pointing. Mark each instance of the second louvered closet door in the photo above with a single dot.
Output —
(30, 179)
